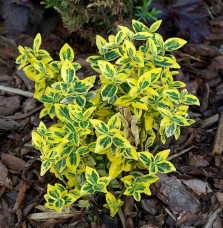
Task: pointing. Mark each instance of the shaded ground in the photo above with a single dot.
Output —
(190, 197)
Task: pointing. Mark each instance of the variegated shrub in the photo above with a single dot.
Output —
(106, 140)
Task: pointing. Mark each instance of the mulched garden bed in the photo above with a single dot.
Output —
(190, 197)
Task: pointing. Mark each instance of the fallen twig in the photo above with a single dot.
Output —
(218, 142)
(170, 214)
(16, 91)
(122, 217)
(210, 121)
(23, 116)
(43, 216)
(212, 217)
(180, 153)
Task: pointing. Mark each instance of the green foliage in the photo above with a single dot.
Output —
(55, 3)
(143, 12)
(96, 16)
(110, 135)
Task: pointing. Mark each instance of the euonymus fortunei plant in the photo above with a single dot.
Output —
(106, 139)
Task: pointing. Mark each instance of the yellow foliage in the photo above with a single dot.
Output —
(104, 136)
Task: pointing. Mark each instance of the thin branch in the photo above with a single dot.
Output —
(170, 214)
(16, 91)
(131, 9)
(122, 217)
(23, 116)
(61, 176)
(212, 217)
(180, 153)
(158, 140)
(141, 148)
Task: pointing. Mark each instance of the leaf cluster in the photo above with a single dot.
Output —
(105, 139)
(143, 12)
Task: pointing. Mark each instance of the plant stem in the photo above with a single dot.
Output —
(142, 129)
(130, 172)
(132, 168)
(131, 9)
(61, 177)
(158, 140)
(121, 193)
(156, 147)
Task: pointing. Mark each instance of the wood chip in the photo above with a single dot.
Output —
(199, 187)
(173, 193)
(4, 180)
(210, 121)
(8, 105)
(21, 195)
(13, 162)
(219, 196)
(218, 142)
(44, 216)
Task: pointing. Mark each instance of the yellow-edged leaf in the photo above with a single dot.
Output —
(36, 43)
(99, 125)
(161, 156)
(66, 53)
(103, 143)
(174, 44)
(114, 122)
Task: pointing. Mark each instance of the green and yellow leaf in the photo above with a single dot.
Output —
(174, 44)
(66, 53)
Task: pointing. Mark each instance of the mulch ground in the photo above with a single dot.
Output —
(190, 197)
